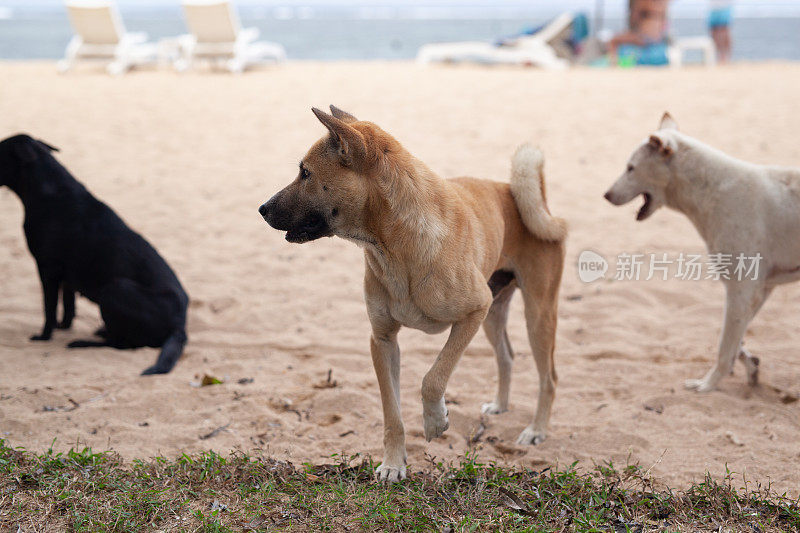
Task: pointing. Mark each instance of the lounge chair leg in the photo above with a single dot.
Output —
(236, 65)
(182, 64)
(70, 56)
(118, 67)
(64, 66)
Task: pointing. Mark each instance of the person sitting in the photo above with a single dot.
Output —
(645, 42)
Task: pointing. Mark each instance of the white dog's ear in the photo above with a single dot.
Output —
(342, 115)
(346, 140)
(667, 122)
(662, 144)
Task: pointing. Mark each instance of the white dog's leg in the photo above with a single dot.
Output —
(749, 360)
(434, 413)
(495, 328)
(386, 360)
(742, 302)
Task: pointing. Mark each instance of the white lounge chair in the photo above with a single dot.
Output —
(101, 36)
(701, 43)
(539, 49)
(216, 35)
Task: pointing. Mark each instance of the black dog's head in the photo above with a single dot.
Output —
(17, 152)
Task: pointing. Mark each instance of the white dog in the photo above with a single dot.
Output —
(740, 209)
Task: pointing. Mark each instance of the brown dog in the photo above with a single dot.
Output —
(439, 253)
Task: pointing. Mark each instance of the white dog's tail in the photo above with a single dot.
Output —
(527, 188)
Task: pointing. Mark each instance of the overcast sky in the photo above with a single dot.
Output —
(612, 7)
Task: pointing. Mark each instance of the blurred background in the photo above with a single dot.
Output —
(392, 30)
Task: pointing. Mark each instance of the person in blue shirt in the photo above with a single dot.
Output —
(645, 42)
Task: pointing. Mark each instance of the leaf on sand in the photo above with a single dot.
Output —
(510, 500)
(210, 380)
(206, 381)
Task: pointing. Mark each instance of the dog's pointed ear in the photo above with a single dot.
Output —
(48, 146)
(345, 140)
(344, 116)
(667, 122)
(661, 145)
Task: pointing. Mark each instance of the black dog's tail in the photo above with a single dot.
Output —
(171, 351)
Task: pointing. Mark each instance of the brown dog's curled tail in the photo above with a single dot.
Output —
(527, 188)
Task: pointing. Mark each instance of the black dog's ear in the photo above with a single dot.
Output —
(26, 152)
(26, 149)
(48, 146)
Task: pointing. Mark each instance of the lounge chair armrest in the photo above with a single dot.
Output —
(248, 34)
(185, 41)
(136, 37)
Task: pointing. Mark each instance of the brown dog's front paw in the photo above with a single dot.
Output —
(434, 418)
(386, 473)
(493, 408)
(531, 436)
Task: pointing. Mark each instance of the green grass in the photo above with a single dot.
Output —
(88, 491)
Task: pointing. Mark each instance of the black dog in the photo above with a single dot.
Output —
(81, 245)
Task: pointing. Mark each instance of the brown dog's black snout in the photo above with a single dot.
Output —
(607, 196)
(264, 210)
(268, 213)
(301, 223)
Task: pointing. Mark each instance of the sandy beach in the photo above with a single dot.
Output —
(187, 159)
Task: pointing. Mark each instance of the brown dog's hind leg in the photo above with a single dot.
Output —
(539, 286)
(541, 321)
(495, 328)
